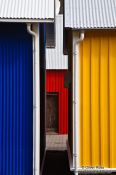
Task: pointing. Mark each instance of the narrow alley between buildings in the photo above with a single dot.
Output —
(56, 159)
(56, 163)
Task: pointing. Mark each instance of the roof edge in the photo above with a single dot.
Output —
(13, 20)
(91, 28)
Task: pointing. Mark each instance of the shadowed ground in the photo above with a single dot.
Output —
(56, 163)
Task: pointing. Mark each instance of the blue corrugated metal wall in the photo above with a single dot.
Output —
(16, 101)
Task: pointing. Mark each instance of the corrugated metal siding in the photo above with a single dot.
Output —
(55, 83)
(98, 104)
(26, 9)
(90, 14)
(16, 101)
(54, 56)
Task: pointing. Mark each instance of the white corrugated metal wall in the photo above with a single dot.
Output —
(54, 56)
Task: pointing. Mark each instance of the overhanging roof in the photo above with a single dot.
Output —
(93, 14)
(26, 10)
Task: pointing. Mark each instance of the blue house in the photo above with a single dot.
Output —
(22, 75)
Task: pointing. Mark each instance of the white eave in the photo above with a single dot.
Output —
(27, 20)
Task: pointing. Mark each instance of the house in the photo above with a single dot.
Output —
(56, 71)
(22, 66)
(90, 31)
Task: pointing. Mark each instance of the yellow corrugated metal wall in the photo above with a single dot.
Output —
(98, 99)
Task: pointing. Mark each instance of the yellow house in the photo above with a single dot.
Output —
(91, 38)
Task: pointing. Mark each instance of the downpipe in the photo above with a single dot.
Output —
(36, 98)
(76, 100)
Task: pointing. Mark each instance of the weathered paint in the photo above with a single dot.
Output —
(16, 100)
(55, 83)
(98, 94)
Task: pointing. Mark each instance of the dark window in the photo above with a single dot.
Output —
(61, 6)
(50, 35)
(65, 42)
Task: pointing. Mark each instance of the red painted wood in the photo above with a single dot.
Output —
(55, 83)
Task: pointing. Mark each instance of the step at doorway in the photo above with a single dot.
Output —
(56, 142)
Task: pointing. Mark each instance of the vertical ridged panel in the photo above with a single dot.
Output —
(95, 121)
(16, 101)
(55, 84)
(112, 98)
(86, 100)
(104, 100)
(98, 94)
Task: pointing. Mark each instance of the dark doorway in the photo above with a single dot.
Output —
(52, 112)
